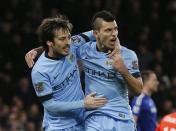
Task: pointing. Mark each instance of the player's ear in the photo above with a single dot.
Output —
(95, 33)
(49, 43)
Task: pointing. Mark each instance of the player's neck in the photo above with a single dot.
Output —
(51, 54)
(101, 48)
(146, 91)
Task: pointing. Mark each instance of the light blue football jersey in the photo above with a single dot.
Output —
(102, 78)
(60, 79)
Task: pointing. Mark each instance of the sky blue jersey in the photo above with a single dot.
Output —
(144, 108)
(57, 84)
(102, 78)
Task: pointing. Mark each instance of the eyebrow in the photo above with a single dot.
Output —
(63, 36)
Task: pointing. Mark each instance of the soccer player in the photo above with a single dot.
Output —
(55, 77)
(167, 123)
(143, 107)
(110, 77)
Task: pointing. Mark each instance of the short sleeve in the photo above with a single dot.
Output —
(41, 84)
(133, 65)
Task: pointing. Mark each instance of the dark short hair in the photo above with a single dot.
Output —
(146, 74)
(99, 16)
(47, 28)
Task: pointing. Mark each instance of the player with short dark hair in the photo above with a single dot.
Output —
(110, 77)
(143, 106)
(56, 79)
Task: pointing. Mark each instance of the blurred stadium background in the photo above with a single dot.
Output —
(146, 26)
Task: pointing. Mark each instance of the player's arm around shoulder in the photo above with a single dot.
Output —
(32, 54)
(82, 38)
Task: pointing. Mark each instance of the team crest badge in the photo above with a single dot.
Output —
(75, 39)
(39, 87)
(108, 62)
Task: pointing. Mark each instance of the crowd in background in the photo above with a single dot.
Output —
(148, 27)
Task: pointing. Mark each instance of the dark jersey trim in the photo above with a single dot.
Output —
(45, 98)
(85, 37)
(137, 74)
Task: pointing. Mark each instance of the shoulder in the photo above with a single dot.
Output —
(137, 104)
(128, 52)
(88, 45)
(130, 58)
(140, 99)
(36, 71)
(40, 65)
(172, 115)
(75, 39)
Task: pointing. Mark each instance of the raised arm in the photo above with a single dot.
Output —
(133, 80)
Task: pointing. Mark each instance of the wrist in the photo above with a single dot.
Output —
(123, 71)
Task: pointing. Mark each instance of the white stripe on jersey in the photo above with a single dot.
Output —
(138, 103)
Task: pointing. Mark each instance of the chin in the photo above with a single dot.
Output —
(110, 48)
(65, 54)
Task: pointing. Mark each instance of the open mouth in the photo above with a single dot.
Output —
(113, 40)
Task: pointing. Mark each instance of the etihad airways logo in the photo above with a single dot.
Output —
(67, 81)
(100, 74)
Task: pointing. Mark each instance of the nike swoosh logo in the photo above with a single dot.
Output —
(56, 76)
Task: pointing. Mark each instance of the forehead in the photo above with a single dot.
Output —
(61, 32)
(153, 76)
(105, 24)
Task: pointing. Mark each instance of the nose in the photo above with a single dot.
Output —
(115, 32)
(68, 40)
